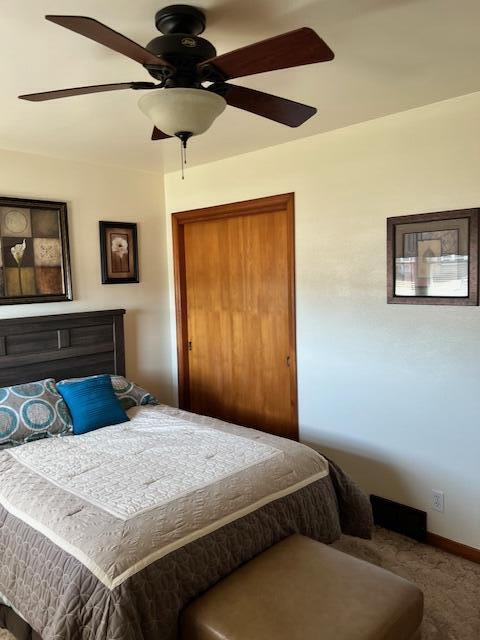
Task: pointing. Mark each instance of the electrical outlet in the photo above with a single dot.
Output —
(438, 500)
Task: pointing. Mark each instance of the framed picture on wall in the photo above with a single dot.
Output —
(34, 252)
(432, 258)
(119, 252)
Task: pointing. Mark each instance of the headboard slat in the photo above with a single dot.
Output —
(61, 346)
(60, 354)
(63, 338)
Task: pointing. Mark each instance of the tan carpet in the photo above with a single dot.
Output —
(451, 585)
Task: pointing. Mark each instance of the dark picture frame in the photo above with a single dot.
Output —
(119, 252)
(449, 235)
(34, 252)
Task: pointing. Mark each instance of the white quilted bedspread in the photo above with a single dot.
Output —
(138, 466)
(122, 497)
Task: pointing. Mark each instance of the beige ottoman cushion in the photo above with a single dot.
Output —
(301, 589)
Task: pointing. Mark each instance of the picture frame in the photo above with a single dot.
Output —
(34, 252)
(119, 252)
(432, 258)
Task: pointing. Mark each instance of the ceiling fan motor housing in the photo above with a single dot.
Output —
(180, 45)
(184, 52)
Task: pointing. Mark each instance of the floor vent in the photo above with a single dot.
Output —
(400, 518)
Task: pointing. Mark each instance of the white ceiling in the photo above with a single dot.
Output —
(391, 55)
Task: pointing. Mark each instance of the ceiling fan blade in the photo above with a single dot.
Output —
(102, 34)
(159, 135)
(281, 110)
(79, 91)
(292, 49)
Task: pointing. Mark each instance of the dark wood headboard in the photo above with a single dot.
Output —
(61, 346)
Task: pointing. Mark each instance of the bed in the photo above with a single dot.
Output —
(108, 535)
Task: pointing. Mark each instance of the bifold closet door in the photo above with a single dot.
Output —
(235, 275)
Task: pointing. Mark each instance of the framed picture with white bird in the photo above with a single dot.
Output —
(119, 252)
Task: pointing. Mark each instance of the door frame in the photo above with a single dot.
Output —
(278, 203)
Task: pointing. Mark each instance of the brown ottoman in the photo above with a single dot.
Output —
(301, 589)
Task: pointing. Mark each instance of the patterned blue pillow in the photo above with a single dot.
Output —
(31, 411)
(129, 394)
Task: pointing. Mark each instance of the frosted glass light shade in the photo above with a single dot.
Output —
(180, 109)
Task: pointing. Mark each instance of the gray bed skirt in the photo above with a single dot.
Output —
(147, 605)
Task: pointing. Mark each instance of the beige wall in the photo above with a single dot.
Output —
(96, 193)
(391, 392)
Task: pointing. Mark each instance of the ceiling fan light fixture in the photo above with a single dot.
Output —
(179, 110)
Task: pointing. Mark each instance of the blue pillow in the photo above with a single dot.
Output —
(92, 404)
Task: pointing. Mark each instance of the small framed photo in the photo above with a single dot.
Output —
(432, 258)
(119, 252)
(34, 252)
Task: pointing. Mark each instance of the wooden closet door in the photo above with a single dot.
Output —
(238, 299)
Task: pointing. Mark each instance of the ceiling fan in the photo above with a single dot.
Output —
(192, 87)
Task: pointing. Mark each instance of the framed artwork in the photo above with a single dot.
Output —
(34, 252)
(119, 252)
(432, 258)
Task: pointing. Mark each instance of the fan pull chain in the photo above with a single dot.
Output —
(181, 159)
(184, 137)
(184, 157)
